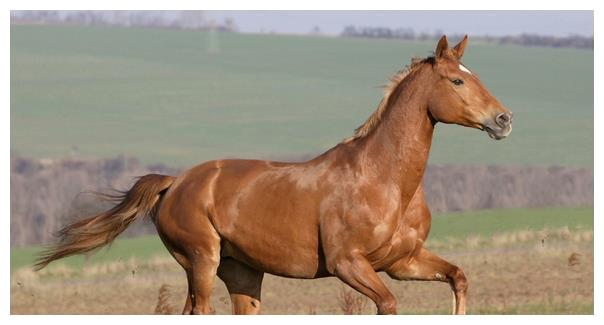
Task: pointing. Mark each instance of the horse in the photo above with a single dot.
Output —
(355, 210)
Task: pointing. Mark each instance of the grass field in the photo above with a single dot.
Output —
(160, 95)
(523, 279)
(539, 265)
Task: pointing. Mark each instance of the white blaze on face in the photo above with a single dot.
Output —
(464, 69)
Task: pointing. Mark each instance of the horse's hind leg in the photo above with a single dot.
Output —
(244, 285)
(198, 287)
(204, 255)
(426, 266)
(189, 302)
(183, 260)
(199, 258)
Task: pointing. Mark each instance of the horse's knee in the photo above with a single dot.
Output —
(244, 305)
(460, 282)
(387, 307)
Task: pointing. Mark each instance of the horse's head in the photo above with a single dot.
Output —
(460, 98)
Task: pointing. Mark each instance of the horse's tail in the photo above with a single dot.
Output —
(99, 230)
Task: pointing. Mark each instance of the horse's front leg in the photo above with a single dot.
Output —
(358, 273)
(426, 266)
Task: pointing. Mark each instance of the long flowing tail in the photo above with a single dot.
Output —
(100, 230)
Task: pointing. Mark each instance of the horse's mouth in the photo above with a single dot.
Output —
(498, 133)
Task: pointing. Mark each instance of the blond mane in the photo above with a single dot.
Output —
(372, 122)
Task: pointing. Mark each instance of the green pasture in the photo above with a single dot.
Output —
(455, 225)
(489, 222)
(181, 97)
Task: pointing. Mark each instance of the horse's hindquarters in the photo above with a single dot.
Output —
(259, 214)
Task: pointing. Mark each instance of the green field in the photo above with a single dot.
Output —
(161, 96)
(452, 225)
(489, 222)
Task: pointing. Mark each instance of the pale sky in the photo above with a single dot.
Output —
(495, 23)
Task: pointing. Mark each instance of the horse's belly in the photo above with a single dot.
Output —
(267, 217)
(280, 238)
(288, 251)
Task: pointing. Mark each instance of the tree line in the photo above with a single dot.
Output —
(408, 34)
(181, 19)
(46, 194)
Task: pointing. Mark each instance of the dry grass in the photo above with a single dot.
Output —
(548, 271)
(351, 302)
(163, 306)
(574, 259)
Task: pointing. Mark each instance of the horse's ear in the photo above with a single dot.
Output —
(442, 46)
(459, 48)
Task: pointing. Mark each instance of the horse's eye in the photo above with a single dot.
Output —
(457, 82)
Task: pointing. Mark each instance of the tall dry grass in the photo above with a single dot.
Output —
(351, 302)
(164, 307)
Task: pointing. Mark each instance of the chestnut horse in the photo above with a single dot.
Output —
(351, 212)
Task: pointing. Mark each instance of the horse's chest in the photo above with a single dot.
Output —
(365, 221)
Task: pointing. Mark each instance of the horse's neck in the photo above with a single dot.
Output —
(400, 144)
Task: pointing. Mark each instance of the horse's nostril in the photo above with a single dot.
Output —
(503, 119)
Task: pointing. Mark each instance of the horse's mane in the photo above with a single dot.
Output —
(372, 122)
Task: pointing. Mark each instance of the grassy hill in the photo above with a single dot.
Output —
(181, 97)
